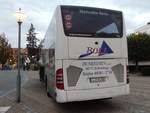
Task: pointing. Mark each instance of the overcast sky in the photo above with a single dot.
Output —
(39, 12)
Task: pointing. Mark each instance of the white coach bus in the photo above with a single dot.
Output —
(85, 54)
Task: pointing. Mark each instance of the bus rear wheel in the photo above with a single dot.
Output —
(48, 94)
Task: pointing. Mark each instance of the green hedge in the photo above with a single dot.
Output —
(145, 71)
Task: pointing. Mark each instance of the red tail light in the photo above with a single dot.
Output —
(59, 79)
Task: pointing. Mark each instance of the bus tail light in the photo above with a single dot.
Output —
(59, 79)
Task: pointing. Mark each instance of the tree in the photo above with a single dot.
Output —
(40, 48)
(12, 59)
(5, 48)
(32, 42)
(138, 48)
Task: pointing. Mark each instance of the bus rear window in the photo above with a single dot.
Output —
(91, 22)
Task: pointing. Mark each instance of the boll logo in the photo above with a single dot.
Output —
(104, 49)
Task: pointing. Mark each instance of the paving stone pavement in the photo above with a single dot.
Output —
(35, 100)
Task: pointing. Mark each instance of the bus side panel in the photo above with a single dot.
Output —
(49, 56)
(55, 40)
(51, 73)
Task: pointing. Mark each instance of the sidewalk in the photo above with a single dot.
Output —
(33, 98)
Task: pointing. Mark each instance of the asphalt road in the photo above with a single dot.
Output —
(8, 81)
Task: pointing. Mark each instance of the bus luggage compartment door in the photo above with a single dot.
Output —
(91, 74)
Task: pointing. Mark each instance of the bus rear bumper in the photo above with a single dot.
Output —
(81, 95)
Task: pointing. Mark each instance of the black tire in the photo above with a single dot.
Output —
(48, 94)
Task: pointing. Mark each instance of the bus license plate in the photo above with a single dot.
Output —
(97, 79)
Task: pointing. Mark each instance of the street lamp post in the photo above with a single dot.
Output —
(20, 18)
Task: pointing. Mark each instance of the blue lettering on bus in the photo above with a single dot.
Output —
(104, 49)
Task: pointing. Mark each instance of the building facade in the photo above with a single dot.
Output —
(15, 54)
(144, 29)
